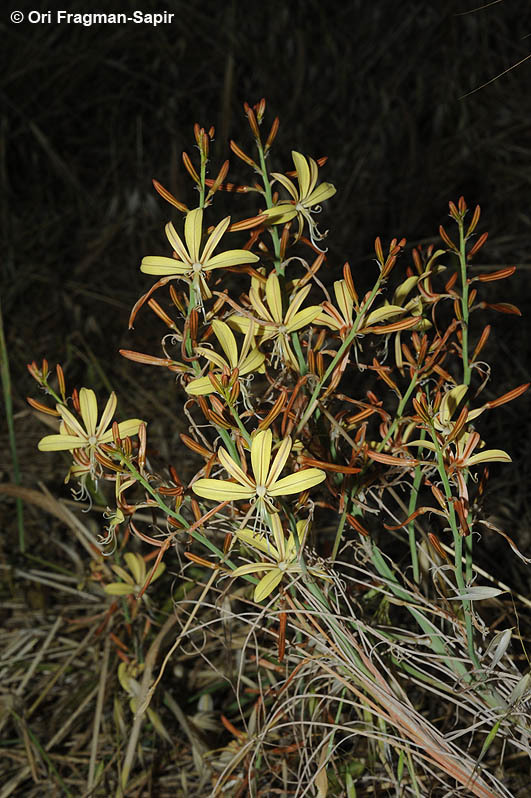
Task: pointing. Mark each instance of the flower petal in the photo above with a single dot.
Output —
(212, 357)
(296, 483)
(323, 192)
(57, 443)
(227, 340)
(193, 230)
(296, 302)
(303, 527)
(261, 455)
(201, 386)
(267, 584)
(283, 212)
(288, 184)
(159, 265)
(177, 243)
(252, 567)
(125, 430)
(489, 456)
(450, 402)
(89, 409)
(274, 298)
(385, 312)
(344, 299)
(303, 174)
(278, 534)
(279, 462)
(257, 541)
(214, 239)
(219, 490)
(108, 413)
(72, 423)
(252, 362)
(303, 317)
(234, 469)
(233, 257)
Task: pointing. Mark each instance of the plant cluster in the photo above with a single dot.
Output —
(323, 422)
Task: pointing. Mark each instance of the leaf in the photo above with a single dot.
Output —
(498, 646)
(478, 594)
(119, 589)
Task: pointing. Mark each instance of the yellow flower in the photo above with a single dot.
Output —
(190, 263)
(340, 320)
(305, 200)
(248, 360)
(74, 436)
(132, 585)
(275, 324)
(265, 484)
(282, 556)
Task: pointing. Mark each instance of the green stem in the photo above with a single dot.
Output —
(458, 553)
(269, 202)
(298, 351)
(464, 303)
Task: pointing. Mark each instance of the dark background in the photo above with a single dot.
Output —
(388, 91)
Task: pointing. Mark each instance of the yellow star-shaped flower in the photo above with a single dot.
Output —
(191, 263)
(281, 553)
(274, 323)
(73, 435)
(305, 200)
(265, 484)
(248, 360)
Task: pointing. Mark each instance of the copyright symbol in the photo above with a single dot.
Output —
(16, 17)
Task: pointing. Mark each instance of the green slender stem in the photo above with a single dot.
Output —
(6, 388)
(458, 553)
(411, 509)
(339, 533)
(269, 202)
(469, 558)
(303, 369)
(174, 514)
(464, 303)
(239, 422)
